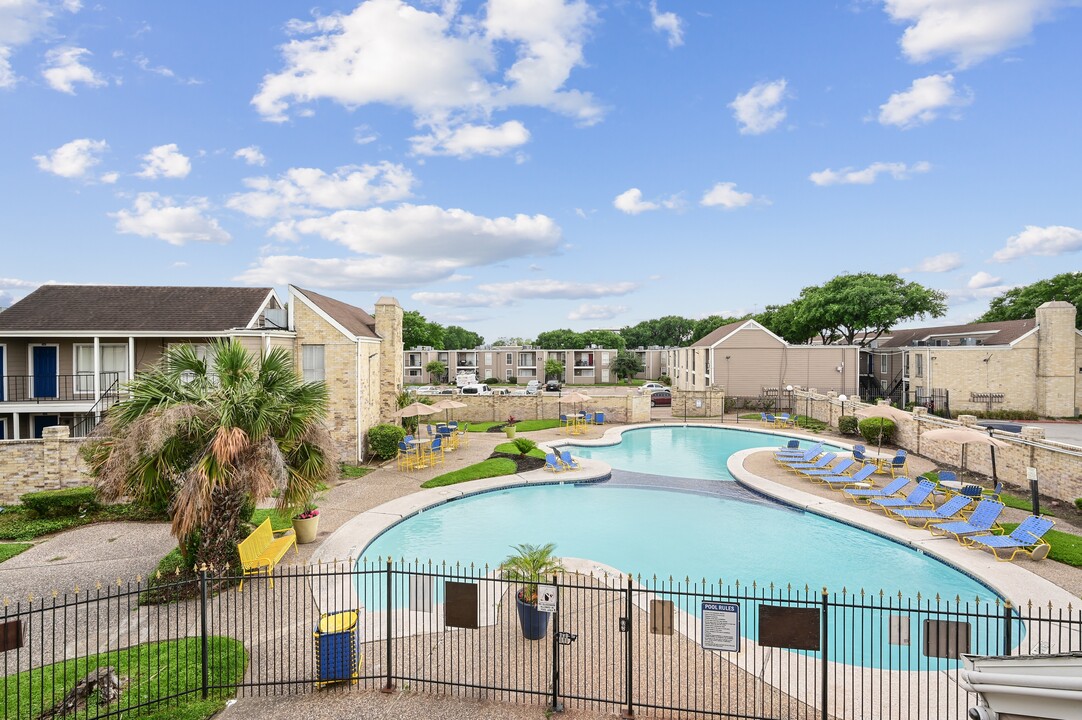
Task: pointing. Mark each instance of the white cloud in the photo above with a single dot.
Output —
(468, 140)
(109, 178)
(165, 161)
(66, 69)
(447, 67)
(461, 299)
(251, 155)
(760, 109)
(73, 159)
(154, 215)
(959, 296)
(17, 284)
(922, 103)
(8, 78)
(23, 20)
(668, 23)
(345, 273)
(308, 191)
(1048, 241)
(362, 135)
(631, 202)
(727, 196)
(596, 312)
(966, 30)
(983, 280)
(944, 262)
(867, 176)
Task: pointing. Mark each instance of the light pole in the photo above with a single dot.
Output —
(843, 398)
(789, 391)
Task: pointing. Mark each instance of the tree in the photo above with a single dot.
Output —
(511, 342)
(559, 340)
(626, 365)
(419, 332)
(865, 304)
(554, 369)
(603, 338)
(436, 370)
(788, 322)
(206, 438)
(667, 331)
(459, 338)
(1022, 302)
(709, 324)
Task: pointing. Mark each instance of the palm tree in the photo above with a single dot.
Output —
(205, 438)
(530, 565)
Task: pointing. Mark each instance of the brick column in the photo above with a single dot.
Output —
(52, 461)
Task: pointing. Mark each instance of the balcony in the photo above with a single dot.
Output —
(57, 388)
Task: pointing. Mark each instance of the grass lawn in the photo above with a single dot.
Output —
(520, 426)
(278, 522)
(16, 523)
(10, 550)
(1019, 503)
(1066, 547)
(510, 449)
(354, 471)
(493, 467)
(147, 672)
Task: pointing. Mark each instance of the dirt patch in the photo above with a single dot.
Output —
(523, 463)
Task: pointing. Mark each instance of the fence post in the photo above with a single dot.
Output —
(1007, 639)
(630, 711)
(824, 647)
(204, 661)
(388, 686)
(555, 705)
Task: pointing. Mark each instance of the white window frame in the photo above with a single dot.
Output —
(884, 364)
(509, 360)
(323, 358)
(919, 365)
(77, 373)
(509, 373)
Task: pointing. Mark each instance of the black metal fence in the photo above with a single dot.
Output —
(56, 388)
(937, 400)
(653, 647)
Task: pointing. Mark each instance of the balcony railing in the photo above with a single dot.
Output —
(56, 388)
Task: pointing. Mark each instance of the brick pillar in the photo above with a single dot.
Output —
(1056, 359)
(52, 461)
(389, 328)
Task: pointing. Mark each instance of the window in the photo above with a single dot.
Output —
(488, 359)
(114, 366)
(920, 365)
(509, 359)
(509, 373)
(884, 364)
(312, 368)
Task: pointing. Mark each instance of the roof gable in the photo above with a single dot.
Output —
(722, 333)
(134, 308)
(352, 319)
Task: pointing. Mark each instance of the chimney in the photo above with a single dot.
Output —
(389, 328)
(1056, 359)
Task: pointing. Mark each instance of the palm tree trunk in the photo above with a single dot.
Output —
(218, 543)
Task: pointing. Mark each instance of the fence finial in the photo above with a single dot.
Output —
(97, 585)
(56, 594)
(119, 583)
(139, 577)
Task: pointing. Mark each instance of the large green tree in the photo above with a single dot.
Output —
(667, 331)
(626, 365)
(436, 370)
(419, 332)
(603, 338)
(554, 369)
(559, 340)
(858, 308)
(206, 438)
(459, 338)
(1022, 302)
(794, 326)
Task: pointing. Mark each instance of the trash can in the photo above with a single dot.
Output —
(338, 655)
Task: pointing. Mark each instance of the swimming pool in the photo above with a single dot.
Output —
(689, 452)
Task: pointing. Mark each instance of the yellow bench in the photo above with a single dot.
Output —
(261, 551)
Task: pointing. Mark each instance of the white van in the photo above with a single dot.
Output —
(477, 389)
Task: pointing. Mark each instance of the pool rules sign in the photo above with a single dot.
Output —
(720, 626)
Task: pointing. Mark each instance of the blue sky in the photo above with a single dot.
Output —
(520, 165)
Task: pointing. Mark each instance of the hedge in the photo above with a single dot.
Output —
(61, 503)
(847, 424)
(383, 440)
(872, 427)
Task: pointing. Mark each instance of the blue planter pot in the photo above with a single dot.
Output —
(535, 624)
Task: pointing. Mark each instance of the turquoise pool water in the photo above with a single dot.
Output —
(688, 452)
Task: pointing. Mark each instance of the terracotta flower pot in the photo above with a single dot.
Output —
(306, 529)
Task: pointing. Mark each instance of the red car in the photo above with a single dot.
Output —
(661, 397)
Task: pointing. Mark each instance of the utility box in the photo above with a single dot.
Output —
(338, 653)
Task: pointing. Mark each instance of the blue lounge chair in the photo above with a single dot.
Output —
(840, 468)
(568, 461)
(821, 462)
(994, 493)
(922, 517)
(1027, 538)
(791, 445)
(921, 495)
(867, 495)
(799, 455)
(948, 476)
(858, 454)
(841, 481)
(983, 520)
(552, 463)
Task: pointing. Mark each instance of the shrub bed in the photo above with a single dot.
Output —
(60, 503)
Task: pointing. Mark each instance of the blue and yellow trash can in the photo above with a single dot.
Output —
(338, 654)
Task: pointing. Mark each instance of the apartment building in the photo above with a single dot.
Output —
(586, 366)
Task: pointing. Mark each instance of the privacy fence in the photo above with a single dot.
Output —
(634, 646)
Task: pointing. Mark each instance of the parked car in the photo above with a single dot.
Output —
(477, 389)
(661, 397)
(651, 387)
(552, 386)
(422, 389)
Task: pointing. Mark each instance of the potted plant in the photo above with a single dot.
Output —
(509, 426)
(529, 565)
(306, 524)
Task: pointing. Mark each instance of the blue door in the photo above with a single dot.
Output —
(43, 421)
(45, 367)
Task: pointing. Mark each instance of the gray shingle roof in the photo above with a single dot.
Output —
(990, 333)
(717, 334)
(128, 308)
(352, 318)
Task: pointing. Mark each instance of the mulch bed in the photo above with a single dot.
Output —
(523, 463)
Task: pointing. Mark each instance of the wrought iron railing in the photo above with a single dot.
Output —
(612, 643)
(56, 388)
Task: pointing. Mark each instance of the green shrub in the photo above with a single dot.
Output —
(664, 379)
(872, 428)
(524, 445)
(383, 440)
(491, 381)
(999, 414)
(1078, 504)
(61, 503)
(513, 380)
(847, 424)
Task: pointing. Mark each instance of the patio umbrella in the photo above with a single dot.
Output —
(447, 406)
(575, 397)
(888, 412)
(415, 409)
(966, 436)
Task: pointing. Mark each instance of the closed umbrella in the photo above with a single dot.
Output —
(965, 436)
(888, 412)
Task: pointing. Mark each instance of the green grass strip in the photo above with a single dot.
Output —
(1066, 547)
(510, 449)
(493, 467)
(1019, 503)
(147, 672)
(520, 425)
(10, 550)
(354, 471)
(278, 522)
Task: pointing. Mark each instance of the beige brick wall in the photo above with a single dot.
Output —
(47, 464)
(962, 370)
(706, 402)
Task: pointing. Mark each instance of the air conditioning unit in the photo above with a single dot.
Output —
(275, 318)
(969, 342)
(942, 343)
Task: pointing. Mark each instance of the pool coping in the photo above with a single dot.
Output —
(1008, 580)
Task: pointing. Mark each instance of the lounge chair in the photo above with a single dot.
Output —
(567, 461)
(922, 517)
(859, 454)
(921, 495)
(1027, 538)
(552, 463)
(791, 445)
(948, 476)
(798, 455)
(821, 462)
(983, 520)
(868, 494)
(839, 468)
(841, 481)
(994, 493)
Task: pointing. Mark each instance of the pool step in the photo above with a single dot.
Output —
(713, 488)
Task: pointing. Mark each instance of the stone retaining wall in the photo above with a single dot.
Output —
(47, 464)
(497, 408)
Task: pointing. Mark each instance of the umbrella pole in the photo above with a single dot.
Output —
(993, 463)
